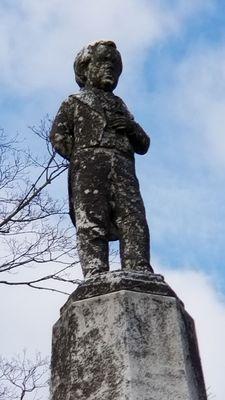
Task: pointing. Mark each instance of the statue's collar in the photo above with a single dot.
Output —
(90, 97)
(102, 102)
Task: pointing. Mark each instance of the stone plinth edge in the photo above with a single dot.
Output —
(115, 281)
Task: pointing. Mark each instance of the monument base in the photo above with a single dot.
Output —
(125, 336)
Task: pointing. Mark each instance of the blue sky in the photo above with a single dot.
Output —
(174, 84)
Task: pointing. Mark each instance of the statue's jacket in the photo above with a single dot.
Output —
(81, 124)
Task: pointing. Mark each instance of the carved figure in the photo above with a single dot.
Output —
(94, 130)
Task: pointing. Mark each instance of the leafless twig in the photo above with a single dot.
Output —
(35, 228)
(21, 377)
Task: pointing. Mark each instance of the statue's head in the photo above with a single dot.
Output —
(98, 65)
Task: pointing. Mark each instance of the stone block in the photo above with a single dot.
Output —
(125, 343)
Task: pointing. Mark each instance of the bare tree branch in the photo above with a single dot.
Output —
(20, 376)
(35, 228)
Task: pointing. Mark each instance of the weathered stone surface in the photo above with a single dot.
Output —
(97, 134)
(105, 283)
(125, 344)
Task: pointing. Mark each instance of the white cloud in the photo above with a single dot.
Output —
(197, 102)
(185, 212)
(39, 39)
(184, 182)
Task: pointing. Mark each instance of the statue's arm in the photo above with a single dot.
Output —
(138, 138)
(61, 135)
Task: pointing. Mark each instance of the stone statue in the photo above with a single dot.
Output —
(95, 131)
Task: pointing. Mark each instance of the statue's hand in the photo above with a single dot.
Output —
(121, 123)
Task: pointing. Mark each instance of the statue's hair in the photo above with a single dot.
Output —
(84, 57)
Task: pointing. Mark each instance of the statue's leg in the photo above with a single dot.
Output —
(93, 253)
(131, 218)
(89, 191)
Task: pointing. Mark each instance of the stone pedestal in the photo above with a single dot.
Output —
(125, 336)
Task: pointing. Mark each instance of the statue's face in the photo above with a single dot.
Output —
(104, 68)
